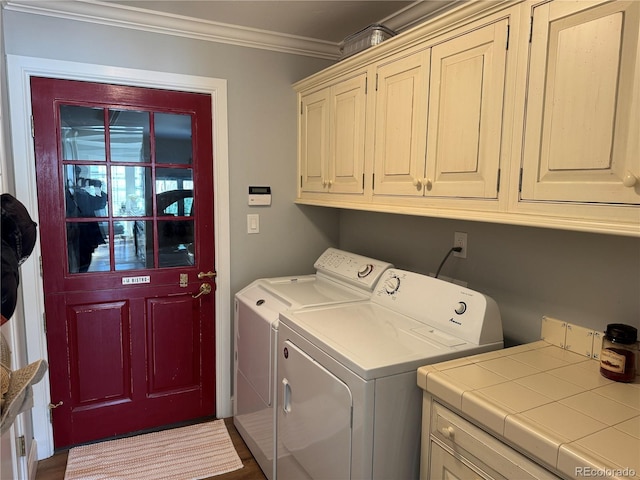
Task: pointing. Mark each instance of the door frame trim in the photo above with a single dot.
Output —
(19, 71)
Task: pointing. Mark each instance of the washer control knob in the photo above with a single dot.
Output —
(365, 270)
(461, 308)
(392, 284)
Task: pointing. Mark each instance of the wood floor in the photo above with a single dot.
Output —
(53, 468)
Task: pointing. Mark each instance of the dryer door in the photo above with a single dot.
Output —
(314, 419)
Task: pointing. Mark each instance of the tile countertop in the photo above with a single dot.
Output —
(551, 404)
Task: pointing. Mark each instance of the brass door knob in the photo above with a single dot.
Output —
(205, 289)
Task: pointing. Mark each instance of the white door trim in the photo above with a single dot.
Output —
(19, 71)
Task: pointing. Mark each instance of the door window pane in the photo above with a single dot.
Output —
(174, 191)
(87, 247)
(131, 187)
(175, 243)
(173, 138)
(82, 133)
(86, 191)
(131, 251)
(129, 136)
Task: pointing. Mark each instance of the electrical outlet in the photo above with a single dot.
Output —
(460, 240)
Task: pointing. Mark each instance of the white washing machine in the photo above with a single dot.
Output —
(340, 277)
(349, 406)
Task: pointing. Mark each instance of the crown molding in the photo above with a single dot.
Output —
(104, 13)
(116, 15)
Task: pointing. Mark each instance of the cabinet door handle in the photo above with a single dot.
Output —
(629, 179)
(417, 182)
(448, 432)
(428, 183)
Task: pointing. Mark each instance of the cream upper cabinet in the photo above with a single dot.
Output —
(332, 137)
(517, 111)
(439, 118)
(466, 97)
(313, 141)
(582, 120)
(400, 124)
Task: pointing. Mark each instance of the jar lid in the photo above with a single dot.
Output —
(621, 333)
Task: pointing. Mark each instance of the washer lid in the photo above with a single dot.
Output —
(311, 290)
(374, 341)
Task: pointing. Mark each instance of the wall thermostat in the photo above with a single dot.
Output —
(259, 195)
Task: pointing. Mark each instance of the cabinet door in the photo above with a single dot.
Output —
(445, 466)
(465, 113)
(401, 115)
(314, 141)
(582, 123)
(346, 159)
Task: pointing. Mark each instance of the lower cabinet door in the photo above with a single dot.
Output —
(445, 466)
(314, 419)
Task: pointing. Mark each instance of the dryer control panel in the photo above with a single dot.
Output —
(442, 306)
(352, 268)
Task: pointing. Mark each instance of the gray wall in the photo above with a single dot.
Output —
(582, 278)
(262, 126)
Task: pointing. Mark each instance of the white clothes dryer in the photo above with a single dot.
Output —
(340, 277)
(348, 403)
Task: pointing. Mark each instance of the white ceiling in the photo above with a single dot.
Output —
(328, 20)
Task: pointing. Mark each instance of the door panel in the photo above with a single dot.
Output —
(124, 178)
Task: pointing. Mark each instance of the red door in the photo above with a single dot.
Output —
(125, 182)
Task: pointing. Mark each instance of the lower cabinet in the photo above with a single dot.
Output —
(453, 448)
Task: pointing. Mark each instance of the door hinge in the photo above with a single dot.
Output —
(300, 181)
(376, 82)
(300, 107)
(22, 446)
(366, 85)
(373, 181)
(363, 181)
(498, 182)
(40, 264)
(33, 128)
(44, 322)
(508, 31)
(531, 30)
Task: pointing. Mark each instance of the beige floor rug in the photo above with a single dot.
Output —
(185, 453)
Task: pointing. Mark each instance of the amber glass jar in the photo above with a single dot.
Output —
(618, 354)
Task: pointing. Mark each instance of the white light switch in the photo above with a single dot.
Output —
(253, 223)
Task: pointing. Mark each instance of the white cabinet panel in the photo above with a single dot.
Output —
(465, 113)
(401, 114)
(582, 122)
(332, 130)
(314, 141)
